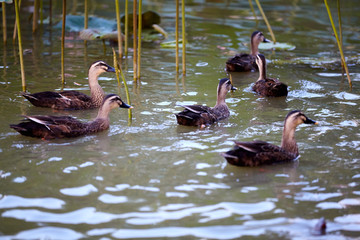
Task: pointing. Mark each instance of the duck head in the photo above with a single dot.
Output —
(115, 101)
(296, 117)
(99, 67)
(256, 38)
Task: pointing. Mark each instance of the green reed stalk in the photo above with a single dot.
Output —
(15, 26)
(139, 39)
(86, 16)
(63, 44)
(4, 22)
(50, 13)
(126, 26)
(41, 12)
(35, 15)
(183, 37)
(118, 69)
(177, 35)
(23, 83)
(134, 40)
(253, 11)
(340, 29)
(118, 28)
(338, 42)
(266, 21)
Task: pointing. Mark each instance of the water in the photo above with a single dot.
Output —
(154, 179)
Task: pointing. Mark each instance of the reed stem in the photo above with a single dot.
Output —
(338, 42)
(135, 40)
(35, 15)
(177, 36)
(15, 26)
(86, 15)
(23, 83)
(117, 70)
(126, 26)
(118, 28)
(50, 13)
(253, 11)
(183, 37)
(63, 44)
(139, 39)
(266, 21)
(4, 22)
(340, 29)
(41, 12)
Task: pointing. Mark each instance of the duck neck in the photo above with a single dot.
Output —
(288, 142)
(102, 120)
(262, 71)
(97, 93)
(254, 47)
(220, 98)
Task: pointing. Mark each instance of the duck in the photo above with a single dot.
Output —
(256, 153)
(268, 87)
(74, 100)
(245, 62)
(200, 115)
(51, 127)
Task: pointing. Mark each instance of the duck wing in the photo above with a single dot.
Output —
(196, 115)
(256, 153)
(49, 127)
(241, 63)
(59, 100)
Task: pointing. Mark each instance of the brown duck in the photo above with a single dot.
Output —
(199, 115)
(50, 127)
(74, 100)
(257, 153)
(245, 62)
(268, 87)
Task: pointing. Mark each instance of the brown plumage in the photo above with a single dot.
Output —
(268, 87)
(199, 115)
(245, 62)
(49, 127)
(74, 100)
(257, 153)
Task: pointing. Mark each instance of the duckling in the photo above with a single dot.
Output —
(257, 153)
(268, 87)
(244, 62)
(74, 100)
(50, 127)
(199, 115)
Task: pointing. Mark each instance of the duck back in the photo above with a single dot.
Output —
(196, 115)
(241, 63)
(256, 153)
(270, 88)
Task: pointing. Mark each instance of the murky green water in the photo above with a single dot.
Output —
(154, 179)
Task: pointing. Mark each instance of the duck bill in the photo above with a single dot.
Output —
(110, 69)
(233, 88)
(266, 40)
(309, 121)
(124, 105)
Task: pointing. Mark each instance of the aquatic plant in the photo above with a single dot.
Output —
(20, 46)
(338, 42)
(118, 69)
(183, 37)
(139, 40)
(63, 43)
(119, 39)
(4, 22)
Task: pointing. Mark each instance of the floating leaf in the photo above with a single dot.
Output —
(277, 46)
(76, 24)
